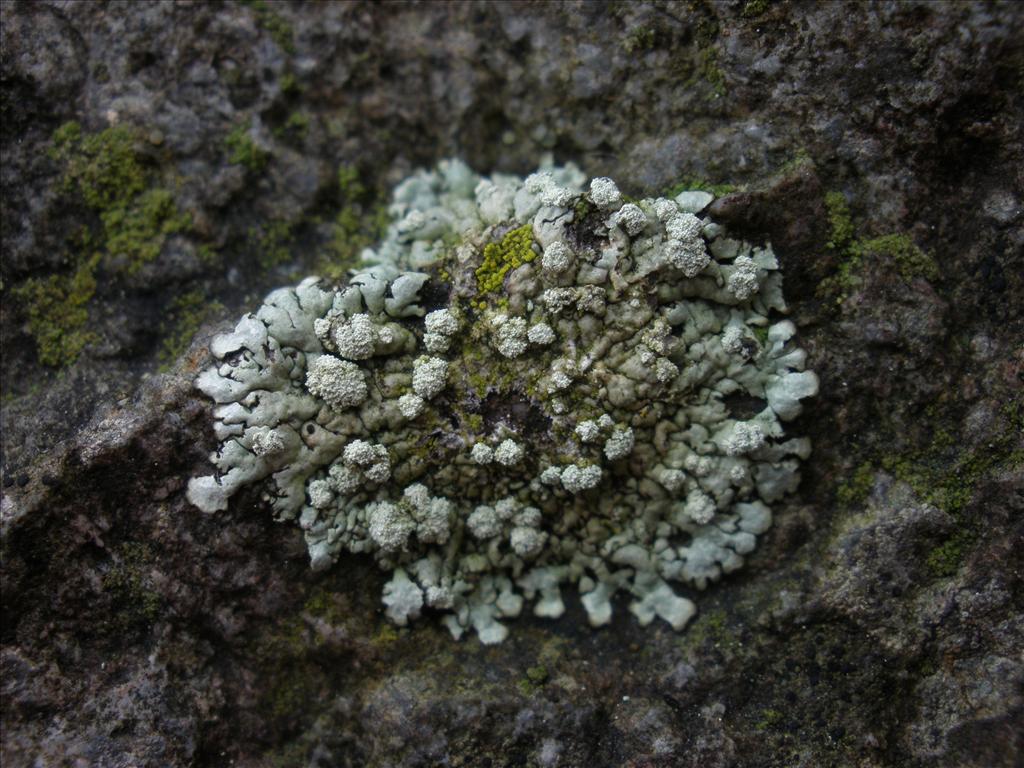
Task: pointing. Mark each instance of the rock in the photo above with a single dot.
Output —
(878, 623)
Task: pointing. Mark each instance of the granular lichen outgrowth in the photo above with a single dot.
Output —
(558, 419)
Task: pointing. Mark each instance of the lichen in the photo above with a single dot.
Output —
(491, 451)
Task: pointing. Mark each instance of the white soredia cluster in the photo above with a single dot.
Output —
(532, 385)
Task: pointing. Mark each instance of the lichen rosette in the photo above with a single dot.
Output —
(531, 385)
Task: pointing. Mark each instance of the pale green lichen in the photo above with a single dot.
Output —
(573, 431)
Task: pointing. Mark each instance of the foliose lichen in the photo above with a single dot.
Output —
(510, 399)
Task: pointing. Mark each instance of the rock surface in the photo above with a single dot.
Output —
(878, 624)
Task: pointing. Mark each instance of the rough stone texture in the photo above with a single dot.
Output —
(879, 624)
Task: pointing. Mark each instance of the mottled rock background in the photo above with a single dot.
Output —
(878, 146)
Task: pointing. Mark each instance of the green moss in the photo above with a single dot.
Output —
(104, 172)
(800, 159)
(289, 84)
(135, 232)
(535, 679)
(946, 476)
(910, 260)
(840, 221)
(292, 687)
(841, 231)
(639, 39)
(326, 605)
(384, 638)
(187, 314)
(276, 25)
(693, 183)
(537, 675)
(208, 254)
(298, 122)
(293, 753)
(512, 251)
(361, 221)
(770, 719)
(754, 8)
(273, 243)
(58, 314)
(103, 168)
(290, 678)
(244, 150)
(294, 127)
(855, 490)
(949, 485)
(707, 58)
(581, 209)
(127, 582)
(946, 559)
(708, 69)
(711, 628)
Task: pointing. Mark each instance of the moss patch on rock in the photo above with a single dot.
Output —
(895, 251)
(57, 307)
(243, 149)
(187, 313)
(102, 172)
